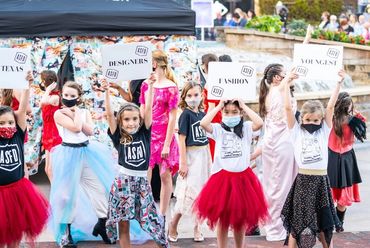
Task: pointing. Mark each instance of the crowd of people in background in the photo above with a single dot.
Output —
(351, 24)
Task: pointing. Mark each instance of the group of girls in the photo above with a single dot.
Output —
(87, 186)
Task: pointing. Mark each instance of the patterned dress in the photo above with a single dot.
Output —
(164, 100)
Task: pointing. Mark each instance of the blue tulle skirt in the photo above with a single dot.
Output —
(69, 199)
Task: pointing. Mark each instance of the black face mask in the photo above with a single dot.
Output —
(311, 128)
(69, 103)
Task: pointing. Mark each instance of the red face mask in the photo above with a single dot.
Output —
(7, 132)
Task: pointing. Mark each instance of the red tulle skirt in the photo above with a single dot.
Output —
(233, 199)
(23, 212)
(346, 196)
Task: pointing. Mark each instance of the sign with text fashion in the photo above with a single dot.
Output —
(123, 62)
(318, 62)
(14, 65)
(229, 80)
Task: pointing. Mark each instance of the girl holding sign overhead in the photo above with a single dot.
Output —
(164, 148)
(308, 211)
(232, 197)
(23, 210)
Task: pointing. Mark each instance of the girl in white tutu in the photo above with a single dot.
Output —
(195, 158)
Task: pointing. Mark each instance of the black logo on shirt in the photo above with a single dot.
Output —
(9, 157)
(199, 135)
(135, 153)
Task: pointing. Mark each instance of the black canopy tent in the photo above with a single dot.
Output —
(47, 18)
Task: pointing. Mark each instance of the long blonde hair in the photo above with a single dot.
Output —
(162, 61)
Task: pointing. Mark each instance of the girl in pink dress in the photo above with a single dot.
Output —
(279, 168)
(164, 149)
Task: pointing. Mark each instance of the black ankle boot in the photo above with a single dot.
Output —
(99, 229)
(67, 241)
(340, 215)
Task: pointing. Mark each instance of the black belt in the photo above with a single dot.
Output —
(83, 144)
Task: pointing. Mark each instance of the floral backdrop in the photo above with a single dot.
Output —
(49, 53)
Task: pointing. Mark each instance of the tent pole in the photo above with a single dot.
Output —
(202, 34)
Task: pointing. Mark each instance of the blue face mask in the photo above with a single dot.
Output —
(231, 121)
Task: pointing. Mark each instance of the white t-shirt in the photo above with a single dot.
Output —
(231, 152)
(311, 150)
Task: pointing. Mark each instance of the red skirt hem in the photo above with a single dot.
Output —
(23, 212)
(346, 196)
(233, 200)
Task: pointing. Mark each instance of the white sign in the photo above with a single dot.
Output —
(14, 65)
(123, 62)
(229, 80)
(203, 13)
(318, 62)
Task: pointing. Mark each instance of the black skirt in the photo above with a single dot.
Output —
(343, 170)
(309, 210)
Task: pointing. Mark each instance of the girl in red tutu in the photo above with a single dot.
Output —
(342, 165)
(232, 197)
(50, 103)
(23, 210)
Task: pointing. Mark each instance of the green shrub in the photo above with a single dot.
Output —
(297, 27)
(265, 23)
(309, 10)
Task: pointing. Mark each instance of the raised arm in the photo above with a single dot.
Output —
(125, 94)
(69, 119)
(255, 118)
(149, 103)
(205, 123)
(23, 104)
(307, 38)
(333, 99)
(47, 99)
(112, 122)
(286, 82)
(87, 125)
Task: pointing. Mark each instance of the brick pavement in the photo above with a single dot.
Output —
(342, 240)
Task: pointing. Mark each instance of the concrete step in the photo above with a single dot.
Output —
(342, 240)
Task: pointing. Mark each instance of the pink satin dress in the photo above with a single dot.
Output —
(279, 168)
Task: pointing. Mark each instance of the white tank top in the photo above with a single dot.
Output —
(72, 137)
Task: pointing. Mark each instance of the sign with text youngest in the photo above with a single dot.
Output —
(14, 65)
(123, 62)
(318, 62)
(229, 80)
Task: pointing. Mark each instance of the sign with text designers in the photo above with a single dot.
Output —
(130, 61)
(229, 80)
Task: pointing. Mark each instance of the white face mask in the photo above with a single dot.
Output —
(193, 103)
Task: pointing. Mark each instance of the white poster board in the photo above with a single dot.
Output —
(123, 62)
(229, 80)
(318, 62)
(14, 65)
(203, 13)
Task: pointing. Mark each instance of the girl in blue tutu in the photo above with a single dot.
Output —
(83, 171)
(131, 195)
